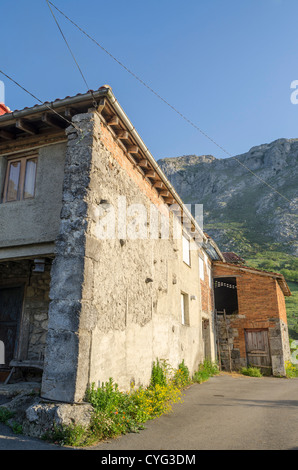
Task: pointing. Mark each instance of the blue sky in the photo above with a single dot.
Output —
(227, 65)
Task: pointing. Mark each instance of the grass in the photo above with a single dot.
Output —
(116, 412)
(251, 371)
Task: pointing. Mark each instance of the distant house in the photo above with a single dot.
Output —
(251, 316)
(102, 269)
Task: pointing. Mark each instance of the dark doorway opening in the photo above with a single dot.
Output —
(225, 295)
(11, 303)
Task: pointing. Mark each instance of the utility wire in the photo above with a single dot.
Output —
(45, 104)
(72, 54)
(167, 103)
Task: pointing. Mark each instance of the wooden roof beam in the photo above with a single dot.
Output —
(134, 149)
(69, 112)
(122, 135)
(114, 121)
(159, 184)
(101, 105)
(52, 121)
(144, 164)
(6, 135)
(170, 200)
(151, 174)
(26, 127)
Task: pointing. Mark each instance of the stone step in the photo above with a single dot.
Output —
(12, 390)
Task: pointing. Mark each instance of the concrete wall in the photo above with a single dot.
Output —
(115, 303)
(34, 221)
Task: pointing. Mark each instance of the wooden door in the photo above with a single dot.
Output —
(206, 338)
(11, 300)
(257, 348)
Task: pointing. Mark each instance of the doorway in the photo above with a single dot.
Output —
(11, 303)
(257, 349)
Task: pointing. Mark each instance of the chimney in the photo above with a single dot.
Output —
(4, 109)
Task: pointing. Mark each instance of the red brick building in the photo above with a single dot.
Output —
(251, 316)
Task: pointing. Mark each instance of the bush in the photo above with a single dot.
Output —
(251, 371)
(159, 373)
(181, 376)
(205, 371)
(291, 370)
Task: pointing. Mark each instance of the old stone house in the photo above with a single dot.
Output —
(250, 316)
(102, 268)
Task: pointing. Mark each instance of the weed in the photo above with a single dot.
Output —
(16, 428)
(116, 412)
(291, 370)
(5, 415)
(251, 371)
(159, 373)
(205, 371)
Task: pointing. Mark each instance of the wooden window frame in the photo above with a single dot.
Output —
(23, 162)
(184, 297)
(201, 268)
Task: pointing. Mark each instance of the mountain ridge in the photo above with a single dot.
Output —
(222, 184)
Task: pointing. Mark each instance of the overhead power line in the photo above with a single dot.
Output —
(72, 54)
(37, 99)
(166, 102)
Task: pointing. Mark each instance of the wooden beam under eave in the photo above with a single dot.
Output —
(151, 174)
(143, 164)
(134, 149)
(164, 193)
(7, 135)
(169, 200)
(114, 121)
(122, 135)
(26, 127)
(101, 105)
(52, 121)
(69, 113)
(159, 184)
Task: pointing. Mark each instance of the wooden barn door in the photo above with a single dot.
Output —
(11, 301)
(257, 348)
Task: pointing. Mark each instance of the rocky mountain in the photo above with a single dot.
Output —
(242, 211)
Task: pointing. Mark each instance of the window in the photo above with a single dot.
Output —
(20, 179)
(186, 249)
(225, 295)
(209, 275)
(184, 309)
(201, 268)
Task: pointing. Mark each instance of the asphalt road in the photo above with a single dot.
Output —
(225, 413)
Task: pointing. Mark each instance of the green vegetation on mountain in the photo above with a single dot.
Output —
(242, 211)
